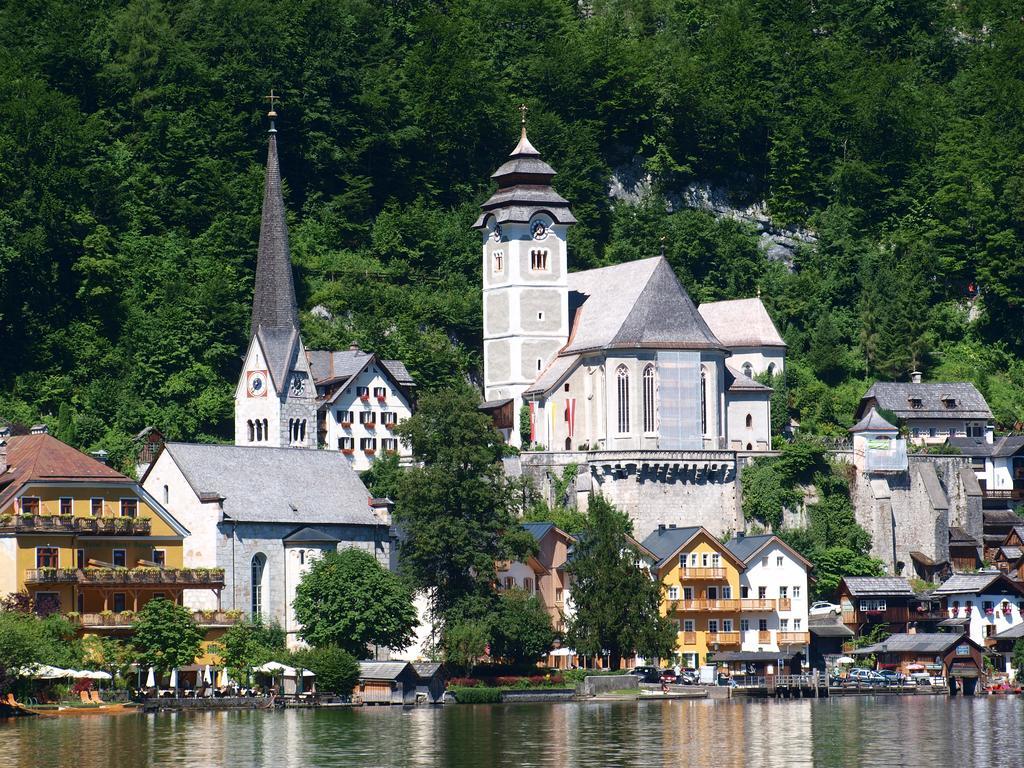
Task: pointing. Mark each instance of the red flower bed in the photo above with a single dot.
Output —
(464, 682)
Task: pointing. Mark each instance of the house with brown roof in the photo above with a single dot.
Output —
(1009, 557)
(867, 601)
(82, 539)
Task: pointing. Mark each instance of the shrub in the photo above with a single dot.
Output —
(476, 695)
(336, 670)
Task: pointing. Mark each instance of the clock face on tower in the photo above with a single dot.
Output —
(298, 385)
(256, 383)
(539, 230)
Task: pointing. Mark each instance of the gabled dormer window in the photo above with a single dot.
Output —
(915, 402)
(949, 402)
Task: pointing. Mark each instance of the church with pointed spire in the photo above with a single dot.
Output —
(290, 397)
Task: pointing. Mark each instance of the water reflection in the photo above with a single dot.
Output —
(830, 733)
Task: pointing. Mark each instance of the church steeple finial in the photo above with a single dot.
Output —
(273, 303)
(272, 114)
(523, 109)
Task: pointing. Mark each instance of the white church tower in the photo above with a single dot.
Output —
(525, 281)
(275, 400)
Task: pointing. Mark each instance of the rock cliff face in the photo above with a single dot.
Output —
(633, 184)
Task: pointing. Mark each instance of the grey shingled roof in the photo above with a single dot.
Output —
(524, 189)
(636, 305)
(741, 323)
(1001, 517)
(538, 530)
(1000, 447)
(968, 583)
(754, 656)
(895, 396)
(867, 586)
(275, 316)
(958, 535)
(828, 626)
(426, 669)
(283, 485)
(1012, 553)
(311, 535)
(873, 422)
(381, 670)
(745, 547)
(338, 367)
(552, 374)
(735, 381)
(1017, 630)
(663, 542)
(921, 642)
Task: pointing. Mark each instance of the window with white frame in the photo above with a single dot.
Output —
(716, 560)
(727, 592)
(344, 417)
(346, 443)
(712, 625)
(797, 624)
(703, 402)
(257, 583)
(389, 444)
(129, 507)
(727, 625)
(649, 407)
(688, 625)
(30, 505)
(368, 418)
(687, 593)
(368, 444)
(783, 625)
(796, 591)
(779, 561)
(783, 592)
(66, 505)
(673, 593)
(622, 378)
(744, 625)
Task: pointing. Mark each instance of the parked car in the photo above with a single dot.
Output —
(864, 677)
(647, 674)
(668, 676)
(892, 677)
(689, 677)
(822, 608)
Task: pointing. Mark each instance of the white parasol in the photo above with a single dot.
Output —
(174, 678)
(845, 660)
(151, 679)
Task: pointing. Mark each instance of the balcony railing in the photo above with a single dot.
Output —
(764, 637)
(199, 577)
(759, 604)
(104, 526)
(707, 605)
(723, 638)
(689, 638)
(793, 638)
(702, 573)
(785, 604)
(127, 618)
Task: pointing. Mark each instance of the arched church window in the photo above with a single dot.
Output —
(622, 375)
(703, 401)
(750, 421)
(259, 430)
(302, 431)
(748, 370)
(771, 369)
(649, 398)
(499, 262)
(266, 431)
(250, 430)
(258, 582)
(539, 260)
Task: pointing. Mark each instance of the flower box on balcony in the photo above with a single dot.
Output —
(346, 424)
(348, 451)
(369, 451)
(365, 398)
(391, 425)
(370, 424)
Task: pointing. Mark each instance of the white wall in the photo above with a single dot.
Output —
(757, 436)
(760, 358)
(199, 548)
(792, 575)
(348, 400)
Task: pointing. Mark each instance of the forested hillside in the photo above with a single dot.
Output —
(132, 140)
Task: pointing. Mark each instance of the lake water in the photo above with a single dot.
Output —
(841, 732)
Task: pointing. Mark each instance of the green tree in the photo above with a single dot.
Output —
(165, 636)
(335, 668)
(457, 508)
(349, 600)
(383, 476)
(464, 642)
(520, 628)
(250, 643)
(617, 605)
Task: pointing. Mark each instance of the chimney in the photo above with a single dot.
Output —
(40, 429)
(100, 456)
(353, 347)
(661, 526)
(915, 377)
(740, 534)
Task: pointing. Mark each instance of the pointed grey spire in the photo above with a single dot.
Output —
(273, 303)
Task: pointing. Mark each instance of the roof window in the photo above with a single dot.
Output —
(949, 402)
(915, 402)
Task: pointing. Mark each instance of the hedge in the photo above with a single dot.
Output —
(465, 695)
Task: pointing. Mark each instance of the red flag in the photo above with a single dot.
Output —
(533, 423)
(570, 415)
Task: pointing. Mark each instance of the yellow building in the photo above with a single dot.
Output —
(702, 591)
(80, 538)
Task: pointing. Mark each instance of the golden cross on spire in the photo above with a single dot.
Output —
(272, 98)
(523, 109)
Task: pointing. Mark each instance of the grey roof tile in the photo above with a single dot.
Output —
(745, 547)
(895, 396)
(863, 586)
(735, 381)
(968, 583)
(277, 485)
(873, 422)
(382, 670)
(921, 642)
(741, 323)
(663, 542)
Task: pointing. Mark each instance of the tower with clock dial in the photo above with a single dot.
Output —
(525, 283)
(275, 400)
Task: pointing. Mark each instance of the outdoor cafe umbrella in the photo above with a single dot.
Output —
(45, 672)
(207, 679)
(915, 666)
(845, 660)
(174, 678)
(150, 679)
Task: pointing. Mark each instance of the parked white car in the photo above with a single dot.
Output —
(823, 607)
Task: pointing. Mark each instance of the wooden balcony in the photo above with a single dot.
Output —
(689, 638)
(764, 637)
(793, 638)
(785, 604)
(722, 638)
(757, 604)
(692, 573)
(95, 526)
(111, 620)
(707, 605)
(187, 577)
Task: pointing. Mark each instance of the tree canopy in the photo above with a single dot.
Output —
(134, 139)
(348, 600)
(165, 637)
